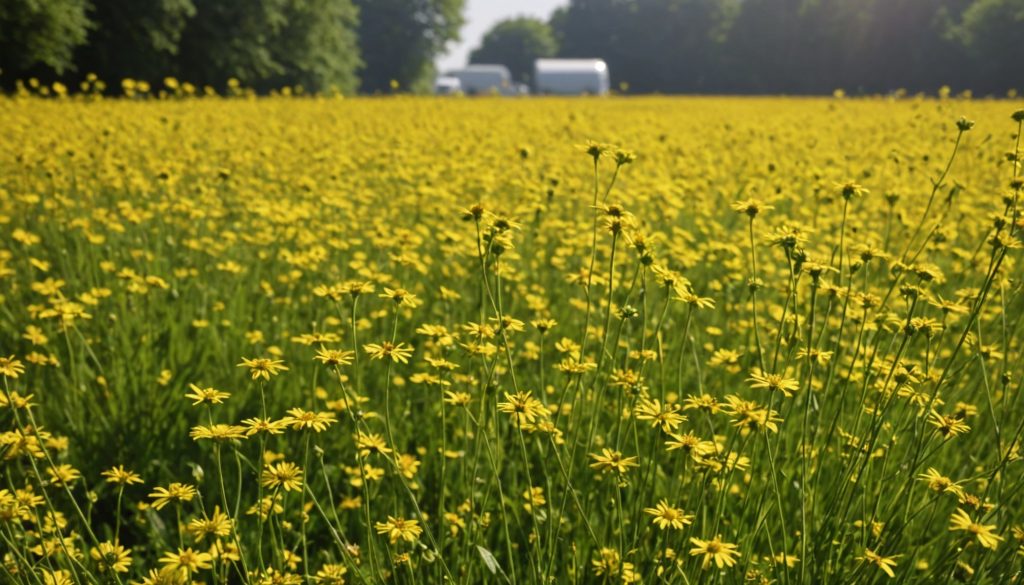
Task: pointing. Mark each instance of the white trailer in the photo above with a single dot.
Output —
(571, 76)
(484, 79)
(447, 85)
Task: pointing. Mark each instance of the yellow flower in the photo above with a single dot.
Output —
(595, 149)
(884, 563)
(262, 425)
(274, 577)
(401, 297)
(408, 465)
(206, 395)
(666, 516)
(217, 432)
(11, 367)
(940, 483)
(292, 560)
(218, 524)
(773, 383)
(283, 474)
(176, 493)
(750, 415)
(120, 475)
(17, 401)
(457, 398)
(612, 461)
(948, 426)
(704, 402)
(695, 301)
(607, 562)
(300, 419)
(334, 357)
(357, 287)
(35, 335)
(508, 324)
(63, 474)
(962, 521)
(267, 506)
(162, 577)
(544, 325)
(58, 577)
(788, 559)
(368, 443)
(723, 554)
(111, 557)
(817, 356)
(399, 529)
(575, 367)
(750, 207)
(455, 523)
(321, 337)
(387, 350)
(263, 367)
(534, 498)
(690, 443)
(849, 190)
(666, 417)
(523, 407)
(331, 574)
(186, 561)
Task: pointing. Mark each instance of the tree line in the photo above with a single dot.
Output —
(318, 45)
(778, 46)
(668, 46)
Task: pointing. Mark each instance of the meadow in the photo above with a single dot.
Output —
(330, 340)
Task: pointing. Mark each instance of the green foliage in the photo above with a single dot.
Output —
(516, 43)
(231, 38)
(40, 32)
(398, 40)
(136, 39)
(798, 46)
(672, 46)
(319, 46)
(993, 32)
(272, 43)
(263, 43)
(782, 328)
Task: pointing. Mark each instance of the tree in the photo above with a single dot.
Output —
(653, 45)
(597, 29)
(271, 43)
(516, 43)
(992, 32)
(557, 22)
(797, 46)
(134, 38)
(398, 40)
(676, 46)
(36, 33)
(319, 47)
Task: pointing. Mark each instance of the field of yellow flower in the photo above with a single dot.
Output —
(398, 340)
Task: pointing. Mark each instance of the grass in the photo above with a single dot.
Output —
(732, 340)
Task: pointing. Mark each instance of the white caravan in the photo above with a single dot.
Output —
(571, 76)
(484, 80)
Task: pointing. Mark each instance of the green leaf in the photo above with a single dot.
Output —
(491, 562)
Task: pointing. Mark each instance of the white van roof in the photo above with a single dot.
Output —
(483, 68)
(571, 65)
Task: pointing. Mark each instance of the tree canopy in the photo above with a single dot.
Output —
(35, 33)
(516, 43)
(322, 45)
(398, 40)
(798, 46)
(667, 46)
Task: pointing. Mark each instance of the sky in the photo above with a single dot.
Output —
(481, 15)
